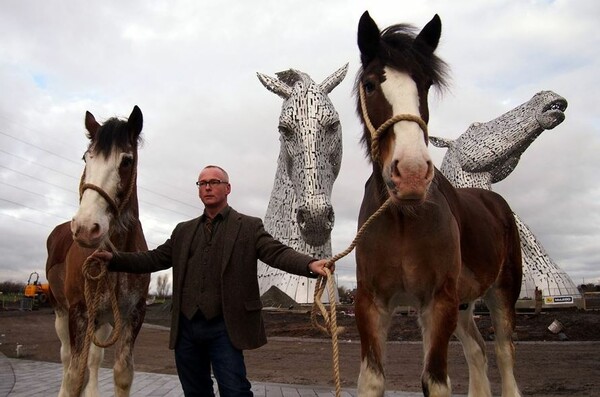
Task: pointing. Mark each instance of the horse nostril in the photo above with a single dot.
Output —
(395, 171)
(95, 230)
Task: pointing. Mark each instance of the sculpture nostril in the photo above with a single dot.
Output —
(301, 217)
(330, 217)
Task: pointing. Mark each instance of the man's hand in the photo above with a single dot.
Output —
(317, 267)
(102, 255)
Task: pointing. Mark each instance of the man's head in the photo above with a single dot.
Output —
(213, 188)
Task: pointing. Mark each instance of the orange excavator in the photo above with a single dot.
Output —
(36, 291)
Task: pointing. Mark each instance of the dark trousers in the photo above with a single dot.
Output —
(204, 343)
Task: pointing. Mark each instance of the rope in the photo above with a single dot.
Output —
(93, 301)
(330, 318)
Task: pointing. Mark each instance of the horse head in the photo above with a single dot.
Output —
(311, 147)
(108, 185)
(398, 68)
(494, 148)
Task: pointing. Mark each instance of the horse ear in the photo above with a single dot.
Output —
(135, 123)
(332, 81)
(275, 86)
(429, 38)
(368, 38)
(91, 125)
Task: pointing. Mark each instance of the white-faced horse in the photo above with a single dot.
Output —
(434, 247)
(108, 210)
(300, 213)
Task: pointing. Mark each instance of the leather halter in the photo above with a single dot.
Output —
(112, 203)
(376, 133)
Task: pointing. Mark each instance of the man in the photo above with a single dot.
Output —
(216, 300)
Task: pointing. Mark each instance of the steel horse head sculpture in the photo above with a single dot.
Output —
(300, 213)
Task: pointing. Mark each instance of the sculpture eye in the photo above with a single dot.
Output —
(285, 131)
(333, 127)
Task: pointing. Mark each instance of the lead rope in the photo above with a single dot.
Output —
(92, 301)
(92, 297)
(330, 318)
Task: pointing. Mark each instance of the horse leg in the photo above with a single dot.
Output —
(438, 321)
(502, 312)
(474, 349)
(61, 324)
(76, 373)
(372, 321)
(95, 357)
(123, 368)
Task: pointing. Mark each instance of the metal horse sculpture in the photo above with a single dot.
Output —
(300, 213)
(108, 210)
(487, 153)
(433, 247)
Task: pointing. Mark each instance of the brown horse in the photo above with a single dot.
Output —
(108, 210)
(434, 247)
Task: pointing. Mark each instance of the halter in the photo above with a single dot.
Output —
(112, 203)
(376, 133)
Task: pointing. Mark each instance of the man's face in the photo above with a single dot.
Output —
(213, 195)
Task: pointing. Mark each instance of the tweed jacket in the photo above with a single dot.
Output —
(245, 241)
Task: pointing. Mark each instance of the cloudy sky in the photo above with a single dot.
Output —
(191, 67)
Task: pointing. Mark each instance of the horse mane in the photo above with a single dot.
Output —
(396, 49)
(113, 132)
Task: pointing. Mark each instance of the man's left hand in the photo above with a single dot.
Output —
(318, 267)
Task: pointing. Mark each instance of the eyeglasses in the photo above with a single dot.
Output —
(211, 183)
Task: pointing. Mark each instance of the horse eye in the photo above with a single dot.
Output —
(369, 87)
(126, 161)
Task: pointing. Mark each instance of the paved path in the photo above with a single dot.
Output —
(26, 378)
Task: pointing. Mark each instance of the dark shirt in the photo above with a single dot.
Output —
(202, 285)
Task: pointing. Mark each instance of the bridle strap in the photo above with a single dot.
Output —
(376, 133)
(112, 203)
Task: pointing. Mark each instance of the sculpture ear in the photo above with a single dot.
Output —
(428, 39)
(368, 38)
(275, 86)
(440, 142)
(91, 125)
(332, 81)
